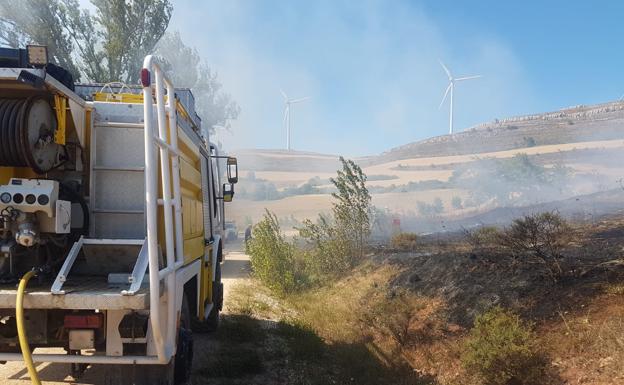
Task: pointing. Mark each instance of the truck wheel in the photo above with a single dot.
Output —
(211, 323)
(176, 372)
(184, 351)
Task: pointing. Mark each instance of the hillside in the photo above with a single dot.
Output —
(570, 125)
(283, 160)
(434, 183)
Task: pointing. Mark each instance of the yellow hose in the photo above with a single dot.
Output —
(21, 328)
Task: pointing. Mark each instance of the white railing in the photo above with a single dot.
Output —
(166, 139)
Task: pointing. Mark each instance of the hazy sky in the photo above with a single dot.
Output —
(371, 67)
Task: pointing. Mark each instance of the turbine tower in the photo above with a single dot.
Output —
(287, 104)
(451, 88)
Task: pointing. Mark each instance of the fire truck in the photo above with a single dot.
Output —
(111, 221)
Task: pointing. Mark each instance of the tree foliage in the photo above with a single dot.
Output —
(336, 242)
(43, 22)
(331, 252)
(186, 69)
(107, 45)
(352, 208)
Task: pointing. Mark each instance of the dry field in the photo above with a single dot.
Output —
(434, 168)
(310, 206)
(402, 172)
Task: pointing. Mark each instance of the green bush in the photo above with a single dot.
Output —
(404, 241)
(273, 258)
(501, 350)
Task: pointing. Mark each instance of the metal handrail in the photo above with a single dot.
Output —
(166, 139)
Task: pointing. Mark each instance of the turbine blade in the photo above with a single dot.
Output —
(469, 77)
(284, 95)
(448, 73)
(445, 94)
(299, 100)
(286, 109)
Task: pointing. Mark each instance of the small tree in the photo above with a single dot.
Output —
(456, 202)
(352, 209)
(543, 236)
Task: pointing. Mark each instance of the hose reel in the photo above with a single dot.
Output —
(27, 128)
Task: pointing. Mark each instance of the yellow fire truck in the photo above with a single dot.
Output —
(111, 221)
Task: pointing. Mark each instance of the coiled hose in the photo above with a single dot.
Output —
(27, 128)
(21, 328)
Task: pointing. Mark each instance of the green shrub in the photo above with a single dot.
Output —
(330, 252)
(404, 241)
(273, 258)
(501, 350)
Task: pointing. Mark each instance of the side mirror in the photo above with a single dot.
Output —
(232, 170)
(228, 192)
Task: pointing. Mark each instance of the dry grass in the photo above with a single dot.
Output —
(368, 328)
(404, 241)
(323, 334)
(587, 346)
(360, 324)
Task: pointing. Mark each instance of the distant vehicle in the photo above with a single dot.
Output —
(231, 231)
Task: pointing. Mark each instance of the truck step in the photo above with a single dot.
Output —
(80, 293)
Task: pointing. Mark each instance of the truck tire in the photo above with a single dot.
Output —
(184, 349)
(176, 372)
(211, 323)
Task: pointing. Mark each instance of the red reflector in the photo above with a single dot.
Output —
(90, 321)
(146, 78)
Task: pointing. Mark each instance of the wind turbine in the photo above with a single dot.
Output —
(287, 104)
(451, 87)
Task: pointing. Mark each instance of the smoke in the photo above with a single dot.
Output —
(371, 69)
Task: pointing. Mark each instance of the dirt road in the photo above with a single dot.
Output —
(234, 269)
